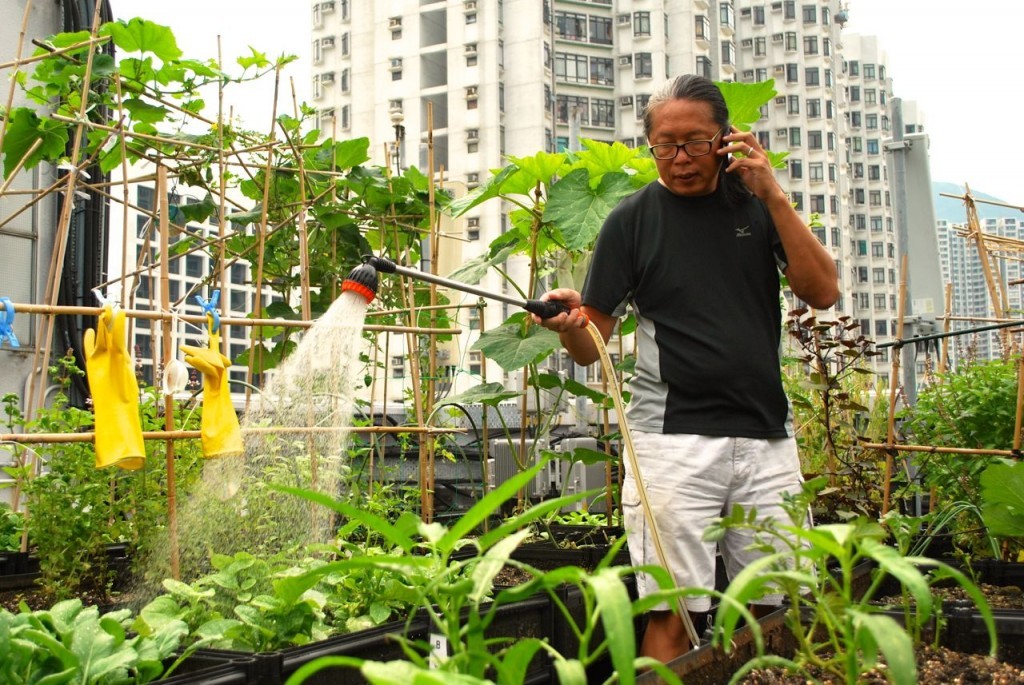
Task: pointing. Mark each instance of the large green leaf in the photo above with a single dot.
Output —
(491, 188)
(578, 210)
(485, 393)
(1002, 494)
(473, 271)
(745, 100)
(141, 35)
(513, 349)
(24, 128)
(542, 167)
(876, 632)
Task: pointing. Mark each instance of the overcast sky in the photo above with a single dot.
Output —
(960, 62)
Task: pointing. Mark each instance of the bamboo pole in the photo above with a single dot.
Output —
(933, 449)
(89, 436)
(168, 355)
(894, 376)
(27, 308)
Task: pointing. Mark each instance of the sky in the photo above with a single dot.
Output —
(960, 62)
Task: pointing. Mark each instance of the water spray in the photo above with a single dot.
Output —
(363, 280)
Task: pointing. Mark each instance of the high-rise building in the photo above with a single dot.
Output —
(490, 78)
(971, 301)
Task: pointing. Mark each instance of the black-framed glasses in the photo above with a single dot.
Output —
(693, 148)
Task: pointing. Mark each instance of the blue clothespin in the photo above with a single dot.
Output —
(210, 309)
(7, 323)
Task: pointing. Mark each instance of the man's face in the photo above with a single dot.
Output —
(680, 121)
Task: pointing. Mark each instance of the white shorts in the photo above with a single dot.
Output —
(691, 480)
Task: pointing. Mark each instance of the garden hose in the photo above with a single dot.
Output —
(620, 409)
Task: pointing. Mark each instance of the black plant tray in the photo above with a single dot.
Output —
(205, 667)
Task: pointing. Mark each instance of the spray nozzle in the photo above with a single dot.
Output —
(362, 280)
(381, 264)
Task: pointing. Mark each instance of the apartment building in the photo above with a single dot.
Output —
(491, 78)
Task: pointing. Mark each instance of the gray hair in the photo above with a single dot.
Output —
(687, 87)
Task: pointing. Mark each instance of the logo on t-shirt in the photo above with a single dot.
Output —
(743, 231)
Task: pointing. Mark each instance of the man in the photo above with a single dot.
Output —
(697, 254)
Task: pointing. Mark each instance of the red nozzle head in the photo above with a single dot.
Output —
(362, 280)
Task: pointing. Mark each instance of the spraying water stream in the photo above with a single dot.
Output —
(294, 435)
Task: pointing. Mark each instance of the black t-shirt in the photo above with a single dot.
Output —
(702, 276)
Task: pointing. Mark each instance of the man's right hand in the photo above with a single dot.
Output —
(562, 323)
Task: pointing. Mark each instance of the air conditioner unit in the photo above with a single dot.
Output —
(778, 37)
(469, 6)
(748, 74)
(626, 101)
(473, 221)
(780, 68)
(327, 77)
(625, 60)
(327, 113)
(747, 43)
(781, 132)
(396, 63)
(470, 92)
(472, 134)
(470, 48)
(776, 7)
(623, 20)
(395, 23)
(506, 465)
(473, 178)
(326, 7)
(781, 100)
(327, 42)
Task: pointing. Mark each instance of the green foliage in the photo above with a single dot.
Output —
(72, 644)
(838, 629)
(1002, 494)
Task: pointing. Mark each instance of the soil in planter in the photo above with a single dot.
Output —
(934, 666)
(998, 597)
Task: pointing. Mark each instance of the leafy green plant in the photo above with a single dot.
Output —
(12, 524)
(71, 643)
(458, 594)
(838, 630)
(973, 406)
(1002, 509)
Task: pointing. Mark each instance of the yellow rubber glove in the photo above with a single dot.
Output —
(115, 394)
(221, 434)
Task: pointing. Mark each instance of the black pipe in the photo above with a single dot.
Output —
(900, 342)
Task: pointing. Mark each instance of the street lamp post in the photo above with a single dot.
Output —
(397, 119)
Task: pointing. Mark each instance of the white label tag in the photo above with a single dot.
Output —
(438, 649)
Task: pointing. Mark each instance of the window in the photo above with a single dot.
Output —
(239, 301)
(728, 52)
(794, 137)
(703, 66)
(875, 198)
(194, 266)
(879, 302)
(760, 47)
(857, 144)
(789, 9)
(571, 26)
(858, 196)
(876, 224)
(398, 367)
(759, 15)
(862, 274)
(601, 30)
(475, 363)
(877, 249)
(878, 275)
(345, 41)
(798, 201)
(812, 76)
(571, 68)
(826, 47)
(474, 318)
(793, 104)
(761, 74)
(810, 14)
(643, 66)
(641, 104)
(641, 24)
(863, 300)
(792, 73)
(796, 169)
(872, 146)
(881, 328)
(854, 67)
(870, 96)
(814, 140)
(819, 233)
(602, 112)
(818, 203)
(869, 71)
(862, 248)
(817, 172)
(725, 14)
(791, 41)
(703, 27)
(861, 222)
(238, 272)
(568, 105)
(813, 108)
(810, 45)
(854, 93)
(828, 78)
(871, 122)
(874, 172)
(472, 233)
(602, 71)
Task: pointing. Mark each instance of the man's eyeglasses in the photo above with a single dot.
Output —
(693, 148)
